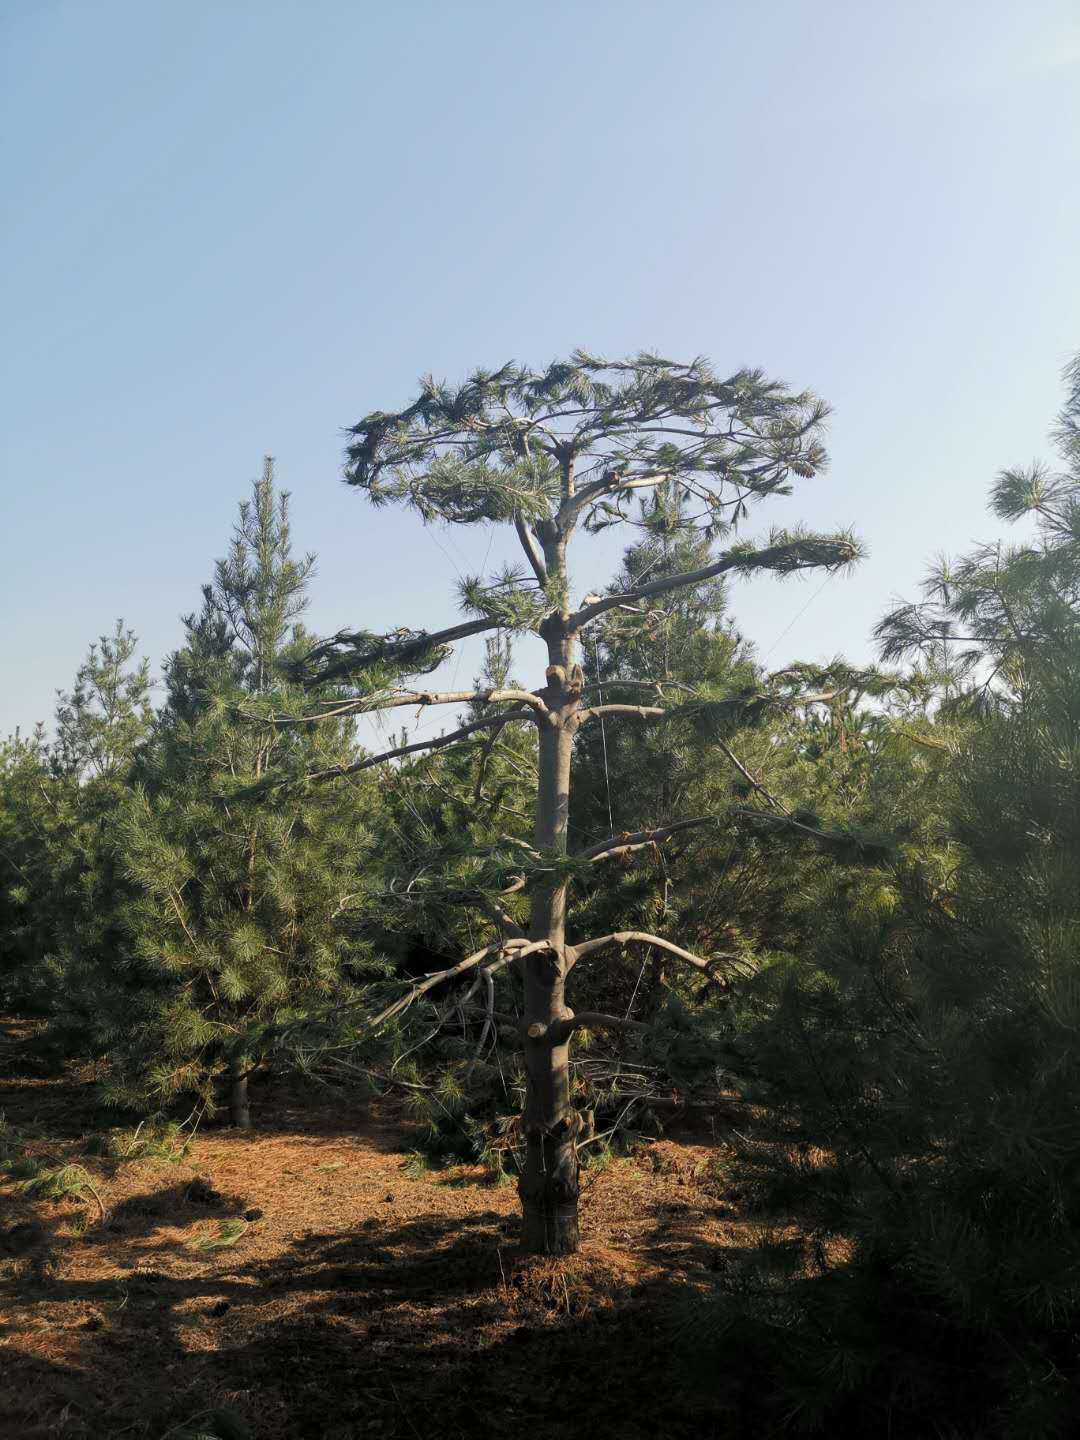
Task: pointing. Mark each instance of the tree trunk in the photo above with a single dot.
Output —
(239, 1111)
(548, 1186)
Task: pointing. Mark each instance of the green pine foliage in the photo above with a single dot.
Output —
(61, 887)
(459, 823)
(243, 906)
(681, 644)
(918, 1052)
(26, 828)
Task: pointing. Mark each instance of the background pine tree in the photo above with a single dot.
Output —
(918, 1051)
(64, 889)
(243, 911)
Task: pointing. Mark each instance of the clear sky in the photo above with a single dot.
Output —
(231, 229)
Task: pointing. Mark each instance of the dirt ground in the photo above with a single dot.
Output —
(358, 1300)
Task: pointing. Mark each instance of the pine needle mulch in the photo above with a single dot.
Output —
(299, 1278)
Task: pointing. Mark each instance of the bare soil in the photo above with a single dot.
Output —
(357, 1301)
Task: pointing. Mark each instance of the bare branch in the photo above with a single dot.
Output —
(505, 951)
(529, 545)
(561, 1030)
(639, 839)
(438, 743)
(503, 917)
(489, 1021)
(753, 780)
(401, 699)
(659, 686)
(640, 712)
(502, 1017)
(492, 967)
(459, 697)
(627, 937)
(608, 484)
(928, 741)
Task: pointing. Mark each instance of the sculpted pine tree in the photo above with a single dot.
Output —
(553, 453)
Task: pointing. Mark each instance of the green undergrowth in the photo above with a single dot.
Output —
(153, 1139)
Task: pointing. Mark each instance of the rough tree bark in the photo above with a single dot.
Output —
(548, 1186)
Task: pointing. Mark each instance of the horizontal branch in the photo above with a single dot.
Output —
(867, 847)
(639, 839)
(438, 743)
(788, 555)
(640, 712)
(681, 1104)
(501, 1017)
(560, 1031)
(928, 741)
(421, 698)
(349, 651)
(658, 685)
(784, 821)
(401, 699)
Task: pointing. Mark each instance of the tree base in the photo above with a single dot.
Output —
(549, 1231)
(239, 1110)
(549, 1190)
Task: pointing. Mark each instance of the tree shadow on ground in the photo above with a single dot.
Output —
(288, 1111)
(430, 1330)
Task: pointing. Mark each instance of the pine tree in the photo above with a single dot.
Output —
(103, 720)
(244, 900)
(921, 1055)
(26, 833)
(59, 804)
(552, 453)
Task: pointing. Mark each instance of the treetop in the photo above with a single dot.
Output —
(578, 439)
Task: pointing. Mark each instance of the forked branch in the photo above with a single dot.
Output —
(503, 951)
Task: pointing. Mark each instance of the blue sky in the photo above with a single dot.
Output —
(231, 229)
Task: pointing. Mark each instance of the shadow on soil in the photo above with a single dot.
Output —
(422, 1330)
(428, 1329)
